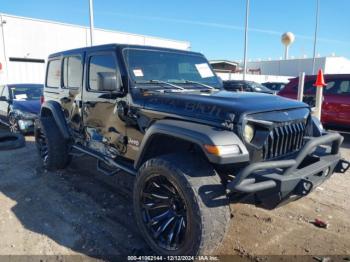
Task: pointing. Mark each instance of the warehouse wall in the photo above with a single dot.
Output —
(28, 38)
(293, 67)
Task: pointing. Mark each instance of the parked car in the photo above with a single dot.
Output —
(336, 103)
(20, 106)
(274, 86)
(162, 116)
(245, 86)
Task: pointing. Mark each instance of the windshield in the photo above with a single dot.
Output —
(26, 92)
(172, 67)
(259, 87)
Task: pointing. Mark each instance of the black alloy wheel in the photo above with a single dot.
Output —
(13, 124)
(174, 205)
(164, 212)
(41, 142)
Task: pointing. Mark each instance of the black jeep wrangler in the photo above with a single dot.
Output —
(162, 115)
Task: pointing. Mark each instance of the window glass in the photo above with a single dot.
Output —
(344, 87)
(54, 74)
(187, 68)
(26, 91)
(309, 88)
(331, 87)
(1, 89)
(176, 67)
(102, 72)
(72, 72)
(6, 93)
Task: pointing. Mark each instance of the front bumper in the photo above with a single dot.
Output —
(275, 182)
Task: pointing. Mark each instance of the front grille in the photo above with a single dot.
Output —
(283, 140)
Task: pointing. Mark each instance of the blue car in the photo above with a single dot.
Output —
(19, 106)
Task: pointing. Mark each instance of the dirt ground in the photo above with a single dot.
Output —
(79, 211)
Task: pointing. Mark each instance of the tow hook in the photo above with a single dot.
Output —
(342, 166)
(304, 187)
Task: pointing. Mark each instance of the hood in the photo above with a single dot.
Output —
(30, 106)
(217, 106)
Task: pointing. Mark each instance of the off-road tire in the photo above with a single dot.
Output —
(47, 135)
(207, 218)
(11, 141)
(13, 125)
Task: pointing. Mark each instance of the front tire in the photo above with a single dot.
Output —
(174, 208)
(53, 149)
(13, 124)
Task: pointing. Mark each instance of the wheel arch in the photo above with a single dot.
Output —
(193, 135)
(53, 109)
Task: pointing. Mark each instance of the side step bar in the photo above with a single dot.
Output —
(108, 161)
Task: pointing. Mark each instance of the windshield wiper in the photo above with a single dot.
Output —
(201, 84)
(160, 82)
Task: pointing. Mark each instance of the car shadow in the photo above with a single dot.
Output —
(77, 208)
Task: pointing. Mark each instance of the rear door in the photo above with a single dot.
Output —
(71, 91)
(336, 104)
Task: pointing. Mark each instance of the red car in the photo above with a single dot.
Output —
(336, 103)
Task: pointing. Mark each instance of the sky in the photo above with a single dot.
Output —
(214, 28)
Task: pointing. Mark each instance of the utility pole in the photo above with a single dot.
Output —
(91, 23)
(245, 40)
(315, 37)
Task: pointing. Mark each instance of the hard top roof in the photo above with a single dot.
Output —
(118, 46)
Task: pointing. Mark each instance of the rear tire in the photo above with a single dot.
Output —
(177, 188)
(52, 147)
(13, 124)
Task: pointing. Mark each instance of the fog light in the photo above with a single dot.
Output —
(305, 187)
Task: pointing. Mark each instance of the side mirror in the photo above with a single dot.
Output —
(109, 81)
(3, 99)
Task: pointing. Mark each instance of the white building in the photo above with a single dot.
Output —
(25, 44)
(293, 67)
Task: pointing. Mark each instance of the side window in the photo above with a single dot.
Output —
(103, 73)
(53, 78)
(344, 87)
(1, 89)
(6, 93)
(331, 87)
(72, 72)
(309, 88)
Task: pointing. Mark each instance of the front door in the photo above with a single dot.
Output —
(104, 130)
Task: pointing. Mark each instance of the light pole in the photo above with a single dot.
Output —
(245, 39)
(91, 22)
(315, 37)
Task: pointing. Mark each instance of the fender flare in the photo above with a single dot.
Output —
(57, 114)
(198, 134)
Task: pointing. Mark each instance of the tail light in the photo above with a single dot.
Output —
(42, 100)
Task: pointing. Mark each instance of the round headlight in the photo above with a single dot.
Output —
(248, 133)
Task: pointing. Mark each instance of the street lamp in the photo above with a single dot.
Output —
(315, 37)
(245, 39)
(91, 22)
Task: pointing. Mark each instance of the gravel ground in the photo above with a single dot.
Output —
(80, 212)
